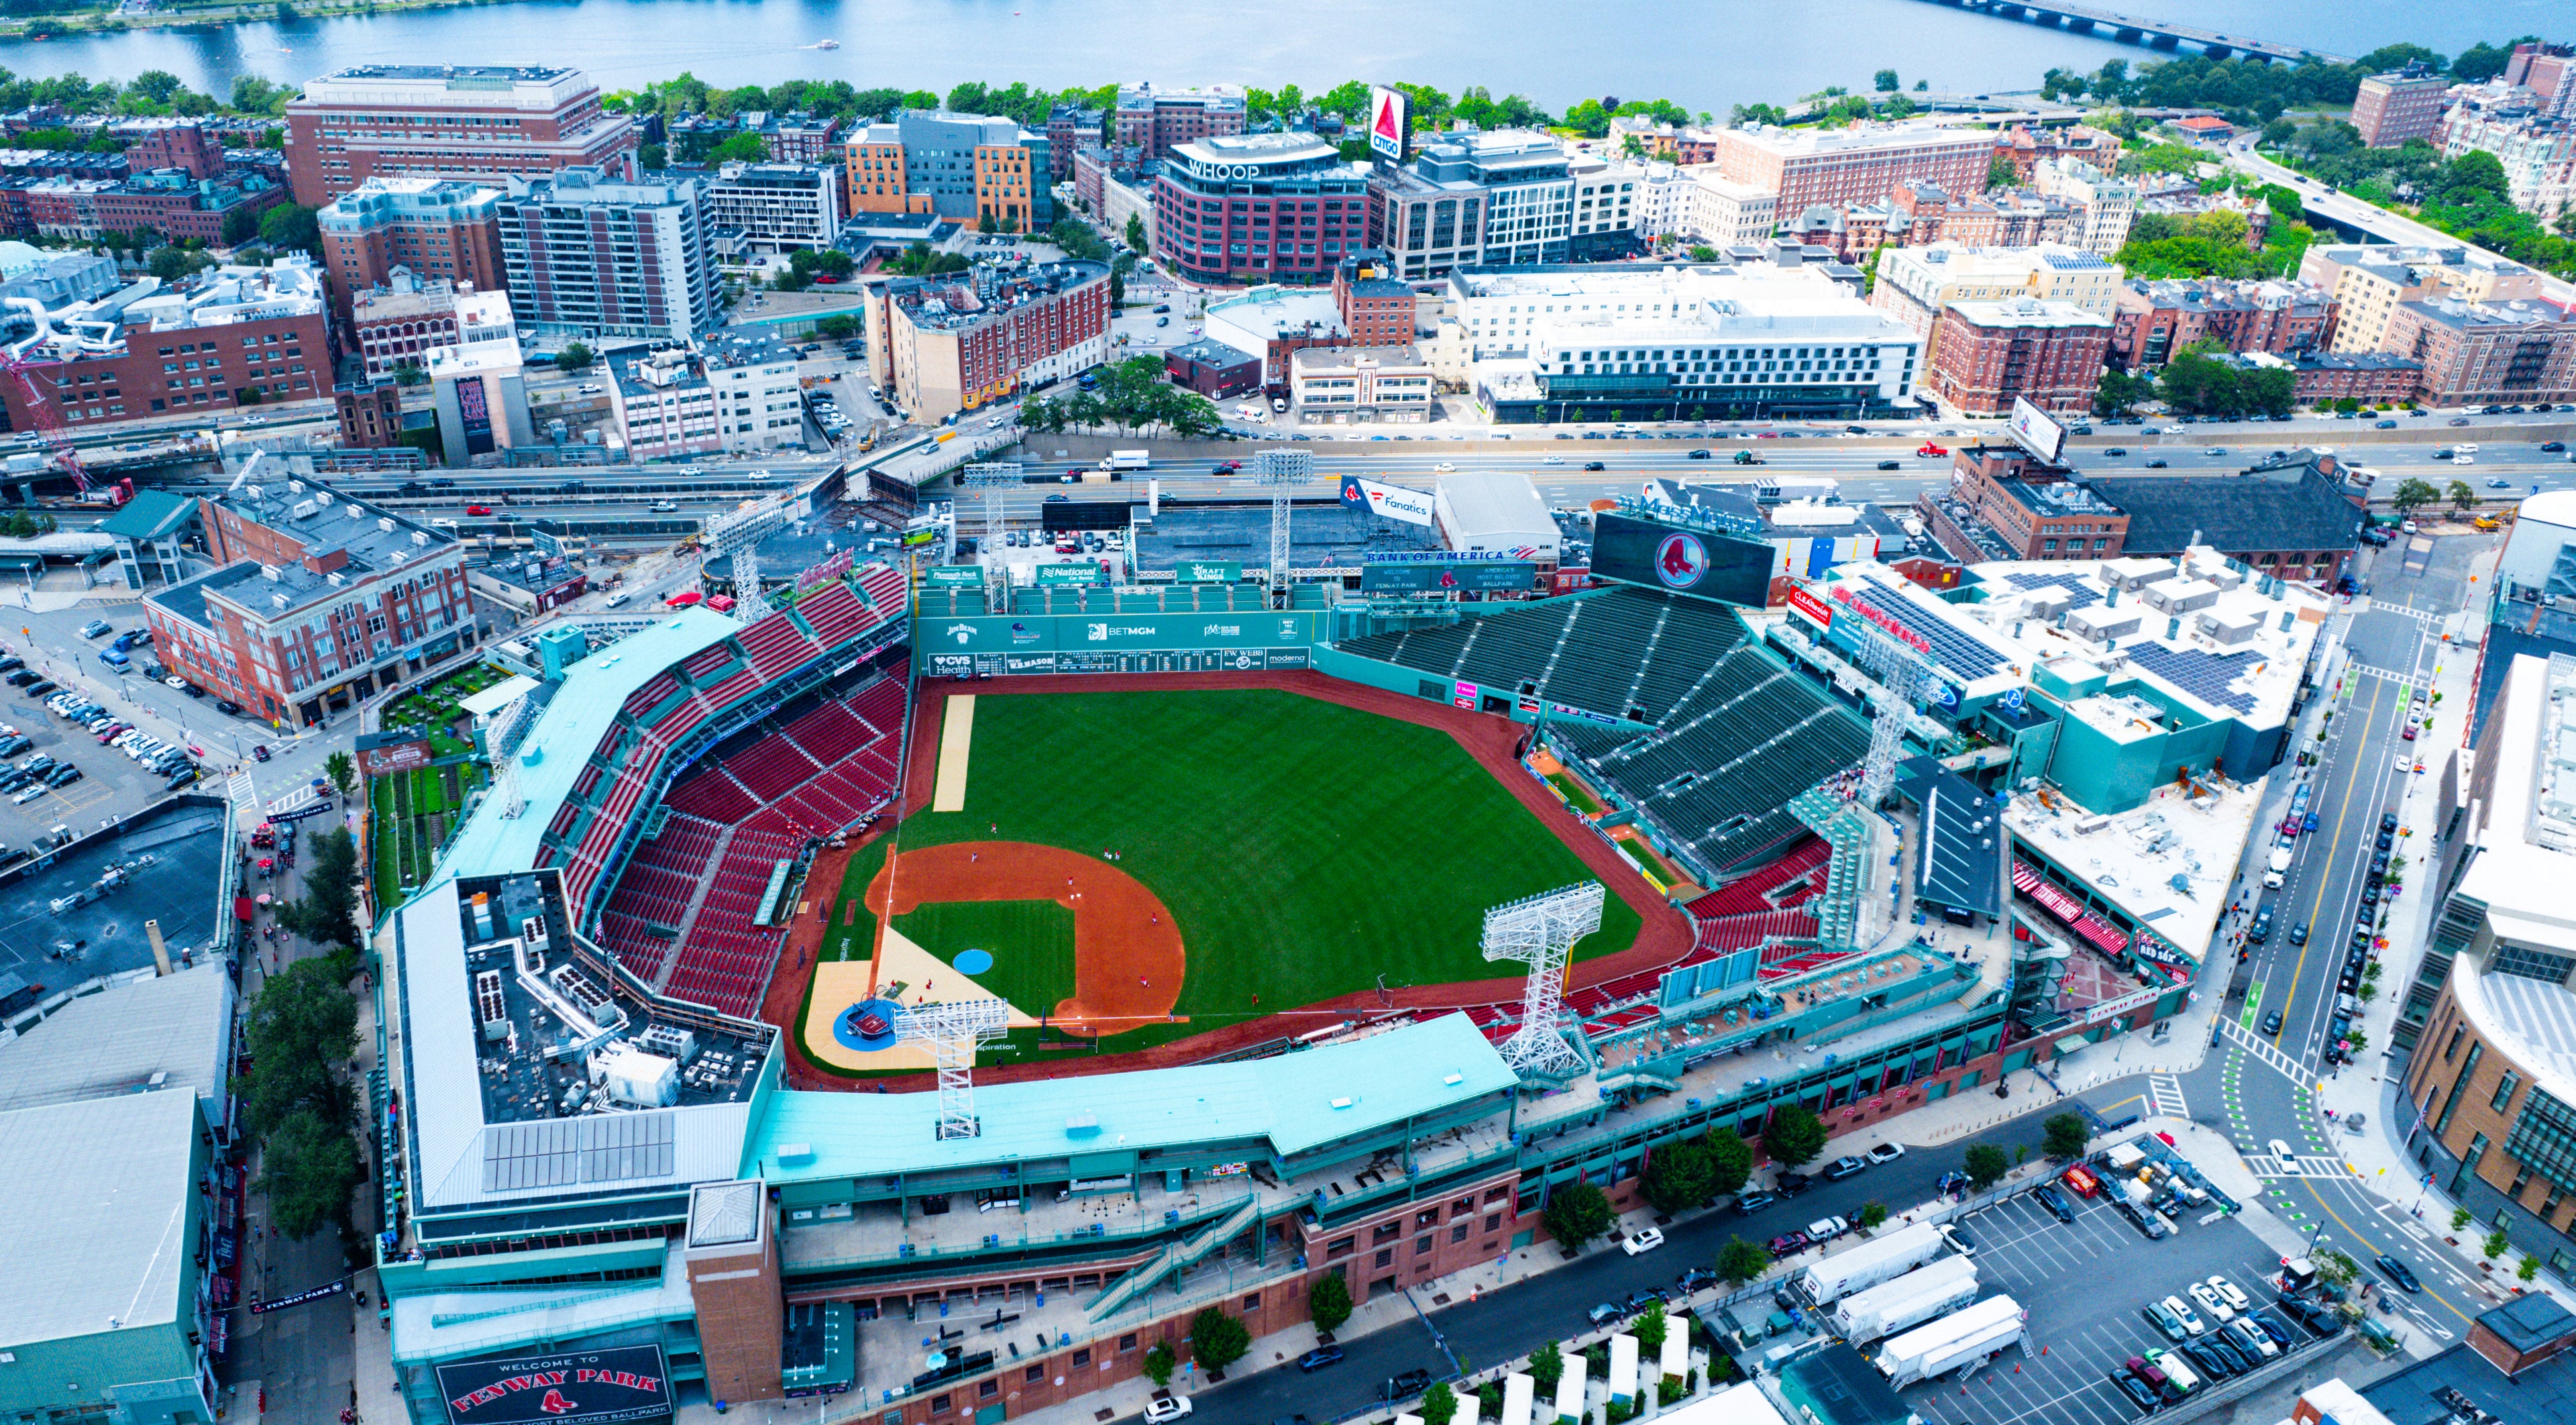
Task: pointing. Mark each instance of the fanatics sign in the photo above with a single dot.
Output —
(623, 1384)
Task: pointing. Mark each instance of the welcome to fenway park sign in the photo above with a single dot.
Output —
(624, 1383)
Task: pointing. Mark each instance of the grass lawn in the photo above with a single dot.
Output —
(1304, 848)
(1031, 943)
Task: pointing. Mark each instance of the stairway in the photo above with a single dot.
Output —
(1176, 1257)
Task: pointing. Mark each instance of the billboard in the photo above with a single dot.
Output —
(954, 576)
(1041, 633)
(622, 1383)
(546, 544)
(1685, 561)
(1075, 571)
(1393, 501)
(1390, 123)
(386, 758)
(1449, 577)
(1206, 571)
(2036, 431)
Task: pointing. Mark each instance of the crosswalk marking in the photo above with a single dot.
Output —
(2262, 1049)
(2165, 1092)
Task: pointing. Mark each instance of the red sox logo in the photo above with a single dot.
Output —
(555, 1404)
(1680, 560)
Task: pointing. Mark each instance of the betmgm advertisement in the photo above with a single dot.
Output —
(608, 1387)
(1685, 561)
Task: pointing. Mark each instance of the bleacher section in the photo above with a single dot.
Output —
(682, 917)
(1622, 652)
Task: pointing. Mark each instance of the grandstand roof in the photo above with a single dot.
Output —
(94, 1229)
(1960, 857)
(569, 730)
(151, 1031)
(1297, 1101)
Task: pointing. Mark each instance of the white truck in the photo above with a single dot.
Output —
(1883, 1258)
(2277, 869)
(1907, 1302)
(1965, 1337)
(1128, 460)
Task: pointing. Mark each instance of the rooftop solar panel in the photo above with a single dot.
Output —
(1954, 649)
(2203, 675)
(2077, 595)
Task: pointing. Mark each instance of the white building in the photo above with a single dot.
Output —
(776, 207)
(2110, 203)
(1665, 200)
(1605, 202)
(1494, 512)
(2539, 156)
(758, 407)
(1915, 283)
(1725, 213)
(1343, 384)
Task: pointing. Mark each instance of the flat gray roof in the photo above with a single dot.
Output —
(122, 1036)
(94, 1215)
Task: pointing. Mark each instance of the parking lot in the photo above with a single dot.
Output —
(2084, 1284)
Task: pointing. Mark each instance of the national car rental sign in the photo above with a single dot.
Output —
(622, 1384)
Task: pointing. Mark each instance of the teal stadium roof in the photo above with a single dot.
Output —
(567, 732)
(1291, 1100)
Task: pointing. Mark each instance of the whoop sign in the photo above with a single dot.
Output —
(625, 1383)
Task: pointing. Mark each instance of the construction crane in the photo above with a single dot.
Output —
(49, 424)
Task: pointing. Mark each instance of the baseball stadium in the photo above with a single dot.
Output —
(1071, 960)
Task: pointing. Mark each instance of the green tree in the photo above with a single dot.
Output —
(174, 264)
(840, 326)
(1680, 1176)
(1702, 252)
(240, 226)
(2066, 1135)
(1740, 1261)
(1887, 82)
(1160, 1363)
(2472, 175)
(2464, 496)
(1732, 1159)
(2481, 62)
(2529, 1270)
(298, 1032)
(1986, 1166)
(1328, 1302)
(740, 148)
(1795, 1136)
(2413, 494)
(2120, 390)
(291, 227)
(1136, 239)
(2461, 1217)
(575, 356)
(1546, 1366)
(408, 373)
(342, 771)
(327, 912)
(2000, 173)
(308, 1169)
(1872, 1214)
(1217, 1340)
(1649, 1328)
(1439, 1404)
(1577, 1213)
(2496, 1245)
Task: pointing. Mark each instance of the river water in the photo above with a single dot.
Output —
(1703, 54)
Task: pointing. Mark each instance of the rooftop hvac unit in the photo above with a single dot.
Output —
(636, 1078)
(533, 931)
(669, 1040)
(383, 522)
(491, 1005)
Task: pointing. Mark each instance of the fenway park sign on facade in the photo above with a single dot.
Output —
(623, 1384)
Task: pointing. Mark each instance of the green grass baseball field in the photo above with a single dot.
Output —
(1303, 848)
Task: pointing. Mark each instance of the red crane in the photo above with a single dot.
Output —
(49, 424)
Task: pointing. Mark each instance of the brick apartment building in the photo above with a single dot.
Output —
(440, 229)
(1159, 121)
(183, 144)
(1070, 129)
(963, 166)
(169, 203)
(960, 341)
(2156, 319)
(1861, 164)
(449, 121)
(2370, 377)
(2025, 147)
(1985, 354)
(2548, 71)
(2482, 353)
(400, 324)
(2004, 503)
(2389, 109)
(233, 336)
(317, 601)
(1278, 207)
(1376, 310)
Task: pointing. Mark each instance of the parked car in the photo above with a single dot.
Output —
(97, 628)
(1749, 1203)
(2211, 1304)
(1645, 1240)
(1792, 1184)
(1885, 1153)
(1318, 1358)
(1785, 1245)
(1960, 1242)
(1841, 1168)
(2162, 1316)
(1826, 1229)
(2148, 1224)
(1167, 1409)
(2049, 1197)
(2140, 1394)
(1406, 1386)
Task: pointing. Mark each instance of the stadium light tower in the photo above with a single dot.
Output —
(991, 477)
(1541, 931)
(953, 1033)
(737, 534)
(1904, 678)
(1281, 470)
